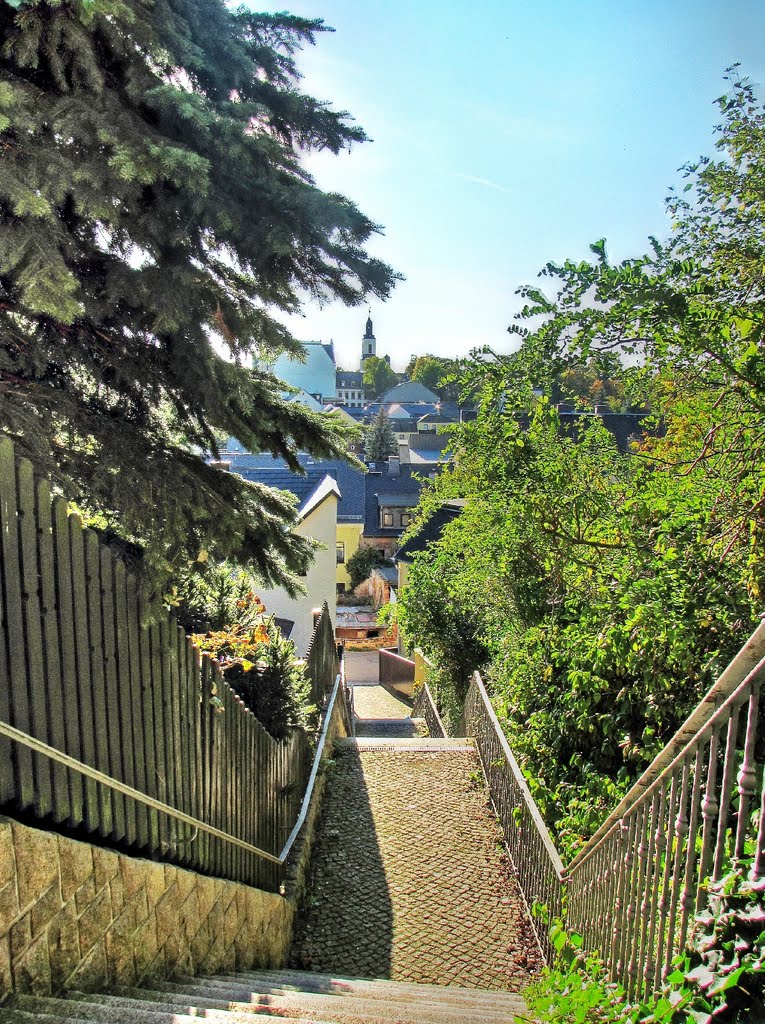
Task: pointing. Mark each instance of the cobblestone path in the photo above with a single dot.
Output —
(408, 878)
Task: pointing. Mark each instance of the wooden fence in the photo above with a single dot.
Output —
(82, 671)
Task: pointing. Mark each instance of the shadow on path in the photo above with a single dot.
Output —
(346, 926)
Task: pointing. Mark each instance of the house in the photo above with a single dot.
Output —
(392, 493)
(349, 388)
(273, 472)
(317, 519)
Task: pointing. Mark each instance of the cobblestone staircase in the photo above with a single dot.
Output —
(301, 997)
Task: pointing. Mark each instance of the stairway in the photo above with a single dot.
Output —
(301, 997)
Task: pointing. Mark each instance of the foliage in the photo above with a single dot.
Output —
(726, 980)
(153, 211)
(378, 376)
(432, 372)
(380, 441)
(720, 979)
(603, 587)
(259, 664)
(210, 597)
(362, 563)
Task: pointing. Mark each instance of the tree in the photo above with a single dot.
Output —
(380, 440)
(362, 563)
(430, 371)
(153, 210)
(608, 589)
(378, 376)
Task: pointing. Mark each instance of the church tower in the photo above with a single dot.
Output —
(368, 342)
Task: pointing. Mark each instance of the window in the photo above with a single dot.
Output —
(340, 588)
(340, 552)
(387, 519)
(405, 519)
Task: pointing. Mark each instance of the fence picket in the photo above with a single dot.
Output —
(124, 700)
(92, 809)
(110, 690)
(24, 789)
(51, 645)
(65, 619)
(33, 639)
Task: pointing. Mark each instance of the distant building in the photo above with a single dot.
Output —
(317, 519)
(316, 375)
(368, 342)
(349, 388)
(265, 469)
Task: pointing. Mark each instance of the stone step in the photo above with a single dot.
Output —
(423, 743)
(370, 988)
(87, 1009)
(436, 1008)
(16, 1014)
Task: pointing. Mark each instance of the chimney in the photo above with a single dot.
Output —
(394, 465)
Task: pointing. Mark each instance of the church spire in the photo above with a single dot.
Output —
(368, 342)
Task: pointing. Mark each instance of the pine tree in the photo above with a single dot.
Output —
(153, 212)
(380, 440)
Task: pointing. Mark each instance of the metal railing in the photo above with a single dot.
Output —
(697, 810)
(116, 786)
(425, 707)
(531, 849)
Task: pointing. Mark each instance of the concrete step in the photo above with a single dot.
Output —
(370, 988)
(114, 1009)
(432, 1008)
(301, 997)
(423, 743)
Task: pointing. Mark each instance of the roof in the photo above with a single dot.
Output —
(396, 490)
(319, 494)
(274, 472)
(431, 530)
(409, 391)
(349, 379)
(397, 410)
(392, 500)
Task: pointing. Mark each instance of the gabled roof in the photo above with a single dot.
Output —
(399, 490)
(431, 531)
(409, 391)
(272, 472)
(319, 494)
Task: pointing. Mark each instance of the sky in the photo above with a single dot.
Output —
(508, 133)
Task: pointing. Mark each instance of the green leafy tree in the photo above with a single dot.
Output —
(153, 212)
(381, 440)
(378, 376)
(362, 563)
(431, 372)
(608, 589)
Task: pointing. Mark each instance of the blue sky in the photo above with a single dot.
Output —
(507, 134)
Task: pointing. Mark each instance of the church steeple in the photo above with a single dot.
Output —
(368, 342)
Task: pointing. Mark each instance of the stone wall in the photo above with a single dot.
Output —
(76, 916)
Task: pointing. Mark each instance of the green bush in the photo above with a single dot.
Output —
(260, 665)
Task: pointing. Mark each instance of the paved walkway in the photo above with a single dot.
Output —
(409, 880)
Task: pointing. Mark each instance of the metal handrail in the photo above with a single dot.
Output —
(12, 733)
(730, 681)
(514, 767)
(425, 707)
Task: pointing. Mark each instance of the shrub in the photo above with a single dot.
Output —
(260, 666)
